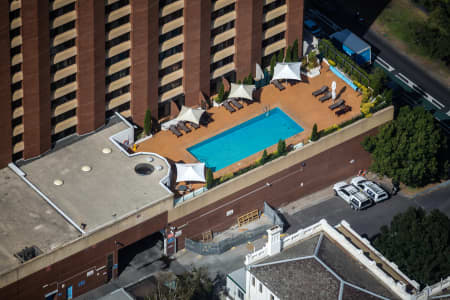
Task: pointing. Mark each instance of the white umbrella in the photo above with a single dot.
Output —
(242, 91)
(259, 72)
(190, 114)
(285, 71)
(191, 172)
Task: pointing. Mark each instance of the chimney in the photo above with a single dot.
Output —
(274, 240)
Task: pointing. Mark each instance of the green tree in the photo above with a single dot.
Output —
(295, 57)
(264, 157)
(280, 56)
(411, 149)
(273, 62)
(209, 178)
(281, 147)
(314, 133)
(147, 122)
(288, 57)
(418, 243)
(378, 80)
(221, 93)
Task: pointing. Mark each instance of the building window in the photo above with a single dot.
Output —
(64, 133)
(170, 86)
(117, 75)
(16, 121)
(273, 5)
(222, 28)
(221, 46)
(173, 16)
(61, 29)
(214, 84)
(13, 33)
(272, 297)
(220, 12)
(15, 50)
(18, 138)
(240, 295)
(117, 93)
(14, 14)
(253, 281)
(260, 288)
(116, 6)
(170, 34)
(117, 23)
(16, 86)
(62, 64)
(120, 108)
(118, 40)
(218, 64)
(62, 82)
(170, 69)
(163, 109)
(63, 99)
(62, 47)
(163, 3)
(273, 39)
(64, 116)
(16, 104)
(274, 22)
(61, 11)
(116, 58)
(170, 52)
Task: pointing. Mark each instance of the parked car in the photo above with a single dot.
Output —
(313, 27)
(354, 197)
(371, 188)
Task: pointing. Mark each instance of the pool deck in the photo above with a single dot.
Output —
(296, 101)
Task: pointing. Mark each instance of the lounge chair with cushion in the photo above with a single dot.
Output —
(336, 105)
(183, 127)
(325, 97)
(320, 91)
(175, 131)
(343, 110)
(229, 107)
(236, 104)
(193, 125)
(278, 84)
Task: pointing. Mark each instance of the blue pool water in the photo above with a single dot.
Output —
(245, 139)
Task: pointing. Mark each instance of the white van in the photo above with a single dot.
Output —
(372, 189)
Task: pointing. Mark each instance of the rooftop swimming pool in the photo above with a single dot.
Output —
(245, 139)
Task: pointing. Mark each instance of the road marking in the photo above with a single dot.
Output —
(384, 64)
(400, 77)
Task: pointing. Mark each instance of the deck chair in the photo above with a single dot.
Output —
(193, 125)
(320, 91)
(175, 131)
(183, 127)
(278, 85)
(325, 97)
(343, 110)
(229, 107)
(236, 104)
(336, 105)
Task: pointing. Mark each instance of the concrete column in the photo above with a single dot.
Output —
(196, 64)
(248, 36)
(294, 24)
(5, 87)
(36, 77)
(144, 59)
(91, 65)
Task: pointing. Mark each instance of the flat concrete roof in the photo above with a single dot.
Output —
(27, 220)
(111, 189)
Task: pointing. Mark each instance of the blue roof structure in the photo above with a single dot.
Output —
(351, 41)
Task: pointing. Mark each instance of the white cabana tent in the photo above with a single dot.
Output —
(191, 172)
(190, 114)
(287, 71)
(259, 72)
(241, 91)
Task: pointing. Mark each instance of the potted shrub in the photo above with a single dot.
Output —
(311, 65)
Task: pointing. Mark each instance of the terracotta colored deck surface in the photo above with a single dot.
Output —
(296, 101)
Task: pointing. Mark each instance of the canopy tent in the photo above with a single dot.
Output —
(242, 91)
(189, 114)
(191, 172)
(286, 71)
(259, 72)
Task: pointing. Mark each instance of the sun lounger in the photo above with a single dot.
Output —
(336, 105)
(343, 110)
(229, 107)
(320, 91)
(193, 125)
(175, 131)
(325, 97)
(278, 85)
(236, 104)
(183, 127)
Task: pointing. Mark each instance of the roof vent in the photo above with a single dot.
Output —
(106, 150)
(28, 253)
(58, 182)
(86, 168)
(143, 169)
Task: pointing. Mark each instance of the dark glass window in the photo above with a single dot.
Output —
(63, 99)
(117, 75)
(170, 34)
(64, 133)
(273, 5)
(16, 104)
(163, 3)
(16, 121)
(17, 156)
(117, 93)
(214, 84)
(64, 116)
(170, 86)
(221, 63)
(116, 5)
(117, 23)
(223, 28)
(175, 15)
(16, 86)
(13, 33)
(62, 47)
(62, 64)
(15, 50)
(63, 28)
(14, 14)
(170, 52)
(17, 138)
(61, 11)
(163, 109)
(16, 68)
(116, 58)
(273, 39)
(170, 69)
(62, 82)
(118, 40)
(120, 108)
(274, 22)
(221, 46)
(223, 11)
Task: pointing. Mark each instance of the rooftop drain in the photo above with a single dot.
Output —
(106, 150)
(86, 168)
(58, 182)
(143, 169)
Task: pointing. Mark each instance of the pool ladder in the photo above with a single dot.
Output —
(266, 110)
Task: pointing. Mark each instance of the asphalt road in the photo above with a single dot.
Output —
(369, 221)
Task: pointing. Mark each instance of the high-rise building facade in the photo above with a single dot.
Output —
(67, 65)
